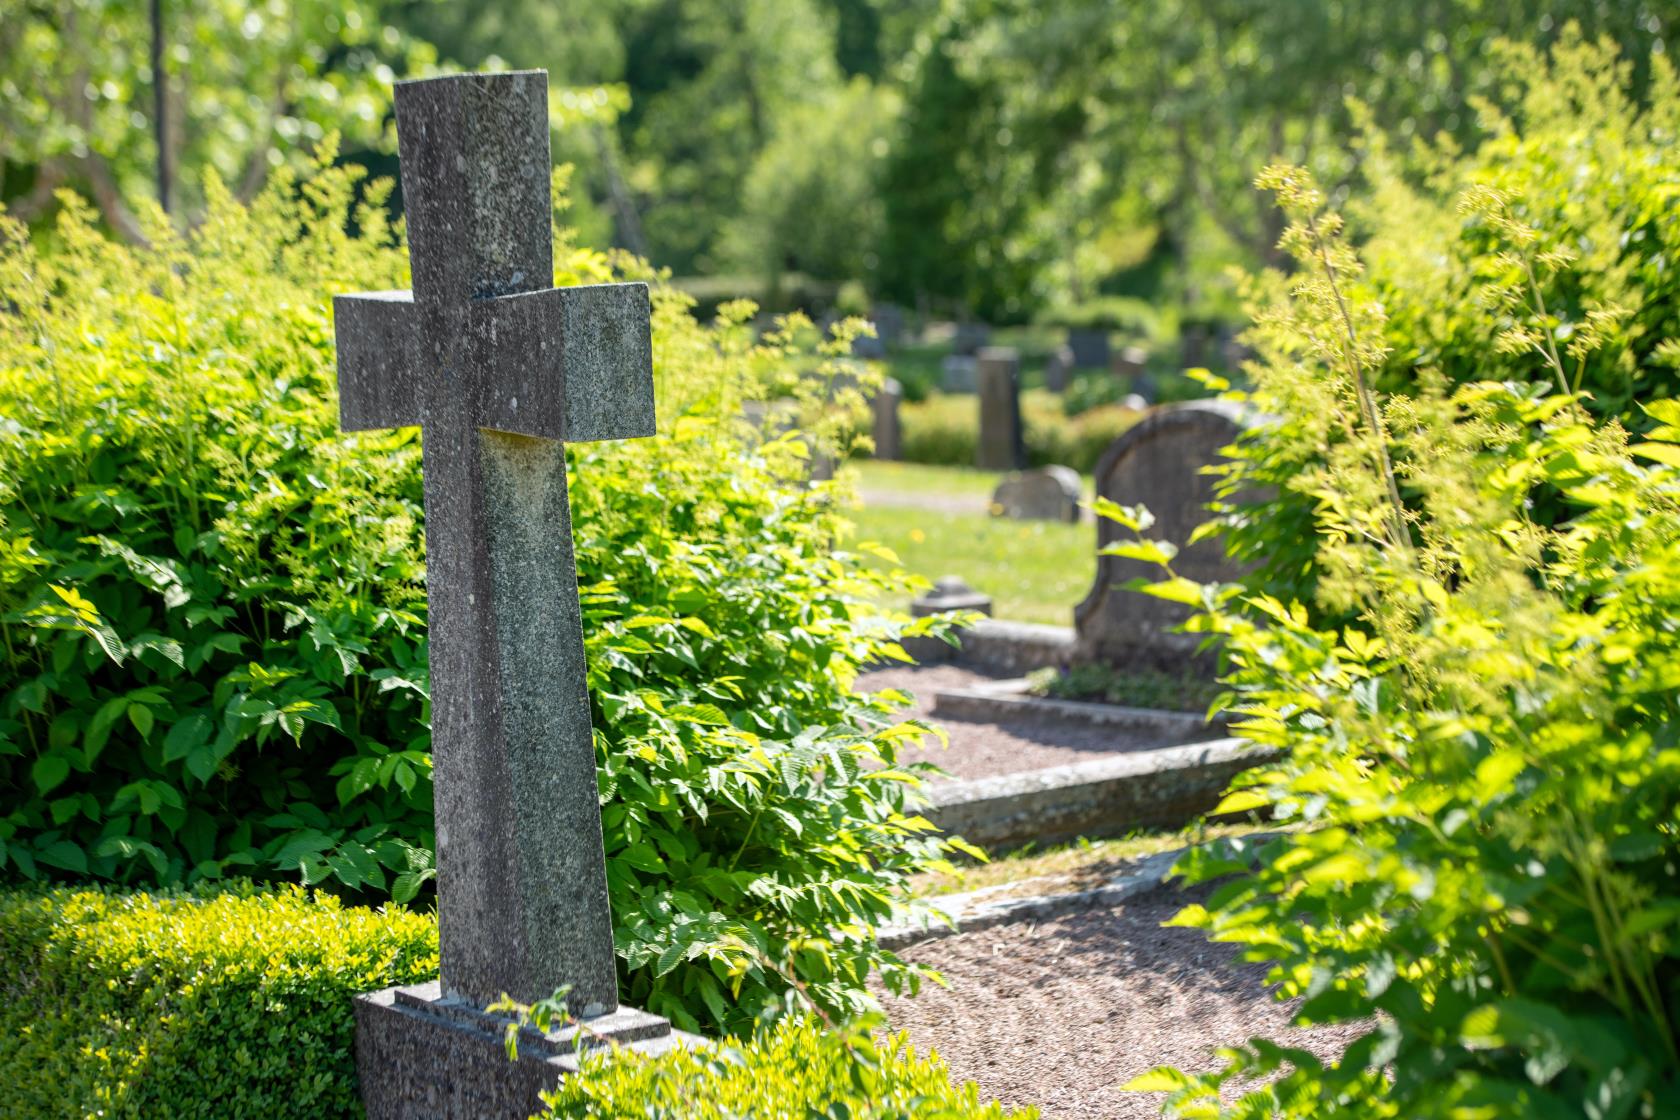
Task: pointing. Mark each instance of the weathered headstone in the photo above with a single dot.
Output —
(889, 323)
(998, 380)
(497, 368)
(1194, 336)
(969, 337)
(888, 433)
(1158, 463)
(1131, 362)
(956, 373)
(1045, 494)
(1057, 368)
(1089, 347)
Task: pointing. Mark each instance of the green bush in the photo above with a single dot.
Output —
(1483, 767)
(944, 430)
(214, 657)
(795, 1071)
(1549, 243)
(235, 1003)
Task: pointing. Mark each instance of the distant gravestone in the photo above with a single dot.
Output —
(1159, 464)
(1089, 347)
(1057, 368)
(869, 348)
(1044, 494)
(498, 369)
(956, 373)
(968, 338)
(1131, 362)
(1194, 338)
(998, 380)
(888, 434)
(889, 323)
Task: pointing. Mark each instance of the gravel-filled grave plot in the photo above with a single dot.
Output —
(1060, 1014)
(982, 750)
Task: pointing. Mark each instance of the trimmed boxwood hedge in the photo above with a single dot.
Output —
(227, 1004)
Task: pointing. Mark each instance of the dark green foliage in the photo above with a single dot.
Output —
(231, 1004)
(213, 610)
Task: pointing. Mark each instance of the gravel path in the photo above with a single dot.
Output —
(1062, 1014)
(981, 750)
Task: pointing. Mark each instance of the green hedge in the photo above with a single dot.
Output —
(229, 1004)
(797, 1071)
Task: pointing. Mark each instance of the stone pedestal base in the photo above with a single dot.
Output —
(423, 1056)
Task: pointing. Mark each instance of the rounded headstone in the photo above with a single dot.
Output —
(1159, 464)
(1044, 494)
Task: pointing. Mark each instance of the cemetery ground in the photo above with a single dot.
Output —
(936, 520)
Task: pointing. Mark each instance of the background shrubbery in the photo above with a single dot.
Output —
(215, 663)
(1480, 755)
(945, 430)
(1555, 234)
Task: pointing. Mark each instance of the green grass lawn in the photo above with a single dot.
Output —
(920, 478)
(1035, 571)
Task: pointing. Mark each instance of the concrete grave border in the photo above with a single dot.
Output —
(1166, 787)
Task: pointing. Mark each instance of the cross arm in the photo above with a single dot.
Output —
(380, 360)
(573, 364)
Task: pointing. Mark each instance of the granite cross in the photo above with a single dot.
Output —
(498, 368)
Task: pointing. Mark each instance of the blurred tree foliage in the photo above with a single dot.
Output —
(978, 157)
(250, 86)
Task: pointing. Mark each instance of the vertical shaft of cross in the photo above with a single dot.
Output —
(522, 893)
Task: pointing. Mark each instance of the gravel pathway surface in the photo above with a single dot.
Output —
(1061, 1014)
(981, 750)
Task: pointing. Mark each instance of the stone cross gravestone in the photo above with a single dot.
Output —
(998, 381)
(497, 368)
(1159, 464)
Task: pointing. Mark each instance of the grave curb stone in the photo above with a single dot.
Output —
(1166, 787)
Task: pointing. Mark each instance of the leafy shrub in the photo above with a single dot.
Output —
(214, 622)
(235, 1003)
(945, 430)
(795, 1071)
(1483, 767)
(1551, 241)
